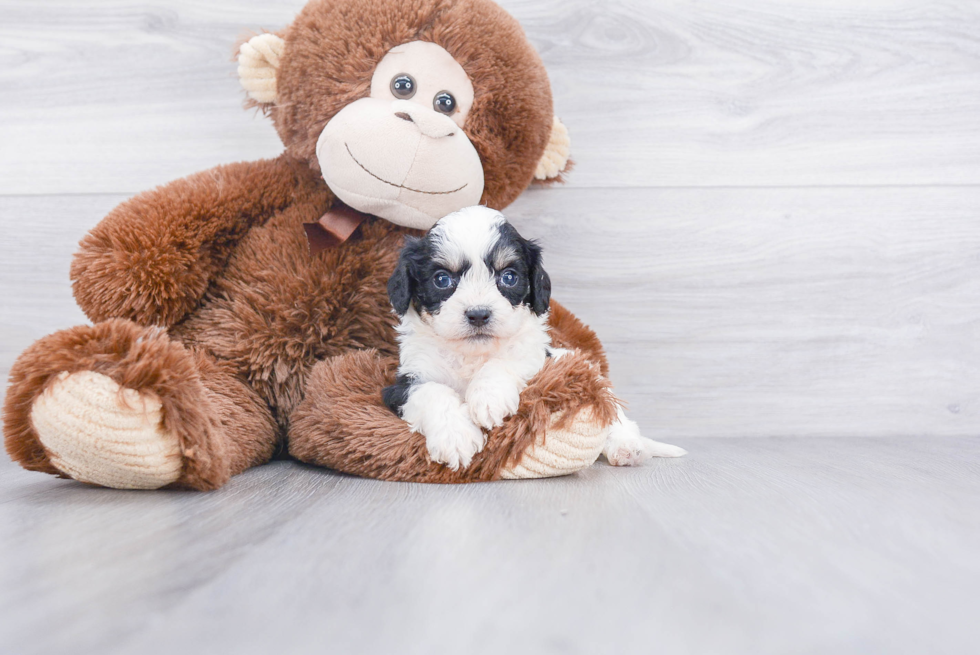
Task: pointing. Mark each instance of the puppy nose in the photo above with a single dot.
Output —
(405, 117)
(478, 316)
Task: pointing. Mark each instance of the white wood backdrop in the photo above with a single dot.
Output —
(773, 223)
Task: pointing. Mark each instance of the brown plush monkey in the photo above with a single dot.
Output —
(220, 338)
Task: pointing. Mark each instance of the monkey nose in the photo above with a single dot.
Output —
(430, 123)
(478, 316)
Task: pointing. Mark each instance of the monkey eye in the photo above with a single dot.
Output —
(442, 280)
(444, 103)
(509, 277)
(403, 86)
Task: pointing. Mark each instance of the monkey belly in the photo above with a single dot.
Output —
(277, 310)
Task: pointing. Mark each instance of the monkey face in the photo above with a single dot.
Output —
(409, 108)
(401, 153)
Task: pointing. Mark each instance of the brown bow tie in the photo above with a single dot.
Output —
(333, 228)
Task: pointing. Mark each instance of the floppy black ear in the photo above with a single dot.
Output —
(540, 297)
(400, 283)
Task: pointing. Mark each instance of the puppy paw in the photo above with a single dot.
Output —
(491, 401)
(455, 440)
(625, 446)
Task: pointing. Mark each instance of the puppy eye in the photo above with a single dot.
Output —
(442, 280)
(403, 86)
(444, 103)
(509, 277)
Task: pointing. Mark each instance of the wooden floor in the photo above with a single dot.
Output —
(774, 225)
(748, 546)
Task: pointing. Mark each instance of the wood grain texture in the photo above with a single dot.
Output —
(116, 97)
(776, 312)
(755, 546)
(40, 235)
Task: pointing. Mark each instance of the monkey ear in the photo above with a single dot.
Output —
(554, 161)
(258, 62)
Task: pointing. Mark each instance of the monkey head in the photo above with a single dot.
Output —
(409, 109)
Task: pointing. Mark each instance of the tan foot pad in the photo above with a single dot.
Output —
(97, 432)
(561, 452)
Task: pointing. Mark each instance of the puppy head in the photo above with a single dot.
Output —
(471, 278)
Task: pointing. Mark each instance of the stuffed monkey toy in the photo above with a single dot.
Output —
(241, 312)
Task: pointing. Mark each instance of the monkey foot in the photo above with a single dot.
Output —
(98, 432)
(561, 451)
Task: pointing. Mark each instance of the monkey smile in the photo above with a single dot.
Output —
(400, 186)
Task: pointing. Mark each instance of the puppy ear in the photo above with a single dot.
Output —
(540, 297)
(400, 282)
(400, 288)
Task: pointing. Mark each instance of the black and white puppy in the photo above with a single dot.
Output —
(473, 300)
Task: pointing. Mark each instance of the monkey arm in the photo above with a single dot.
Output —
(152, 258)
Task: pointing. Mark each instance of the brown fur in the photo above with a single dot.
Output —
(333, 47)
(152, 258)
(217, 420)
(569, 332)
(245, 316)
(343, 424)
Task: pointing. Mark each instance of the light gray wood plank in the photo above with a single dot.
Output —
(40, 235)
(115, 96)
(119, 96)
(745, 546)
(776, 312)
(726, 312)
(765, 92)
(164, 544)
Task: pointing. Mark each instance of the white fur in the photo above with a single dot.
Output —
(436, 411)
(487, 374)
(465, 384)
(625, 446)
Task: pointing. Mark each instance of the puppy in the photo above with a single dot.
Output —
(473, 300)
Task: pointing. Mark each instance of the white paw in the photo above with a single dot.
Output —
(454, 439)
(491, 401)
(97, 432)
(625, 446)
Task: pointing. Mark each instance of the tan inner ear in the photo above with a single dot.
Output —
(258, 61)
(556, 153)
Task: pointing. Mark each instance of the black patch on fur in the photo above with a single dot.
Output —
(396, 395)
(400, 282)
(540, 287)
(428, 296)
(413, 282)
(534, 286)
